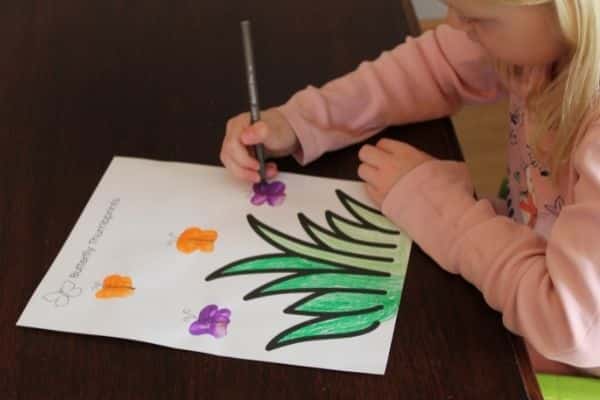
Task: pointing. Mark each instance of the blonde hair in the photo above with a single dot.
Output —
(562, 103)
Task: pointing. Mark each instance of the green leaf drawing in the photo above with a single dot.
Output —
(353, 272)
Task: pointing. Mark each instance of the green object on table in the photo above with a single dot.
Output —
(563, 387)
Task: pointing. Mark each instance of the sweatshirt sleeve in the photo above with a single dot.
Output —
(548, 291)
(424, 78)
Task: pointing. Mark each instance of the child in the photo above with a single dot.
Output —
(539, 264)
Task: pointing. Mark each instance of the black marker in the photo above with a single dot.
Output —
(253, 92)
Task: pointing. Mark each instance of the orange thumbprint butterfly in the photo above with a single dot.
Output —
(196, 239)
(115, 286)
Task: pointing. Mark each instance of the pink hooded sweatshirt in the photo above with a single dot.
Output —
(540, 263)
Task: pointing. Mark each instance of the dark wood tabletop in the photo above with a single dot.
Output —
(81, 81)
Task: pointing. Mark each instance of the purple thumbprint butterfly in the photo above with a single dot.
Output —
(272, 193)
(212, 320)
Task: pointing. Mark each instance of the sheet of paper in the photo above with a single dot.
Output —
(178, 255)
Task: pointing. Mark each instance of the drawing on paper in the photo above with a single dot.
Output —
(194, 238)
(282, 287)
(115, 286)
(271, 193)
(352, 273)
(211, 320)
(61, 297)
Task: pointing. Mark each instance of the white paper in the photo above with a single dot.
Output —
(131, 225)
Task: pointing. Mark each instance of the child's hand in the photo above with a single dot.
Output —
(273, 131)
(385, 164)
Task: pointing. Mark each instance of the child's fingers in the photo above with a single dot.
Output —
(255, 134)
(241, 156)
(368, 173)
(374, 194)
(394, 146)
(238, 171)
(271, 170)
(372, 155)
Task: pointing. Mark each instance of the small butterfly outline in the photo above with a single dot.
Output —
(189, 315)
(172, 239)
(61, 297)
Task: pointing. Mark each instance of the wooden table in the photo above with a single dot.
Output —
(81, 81)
